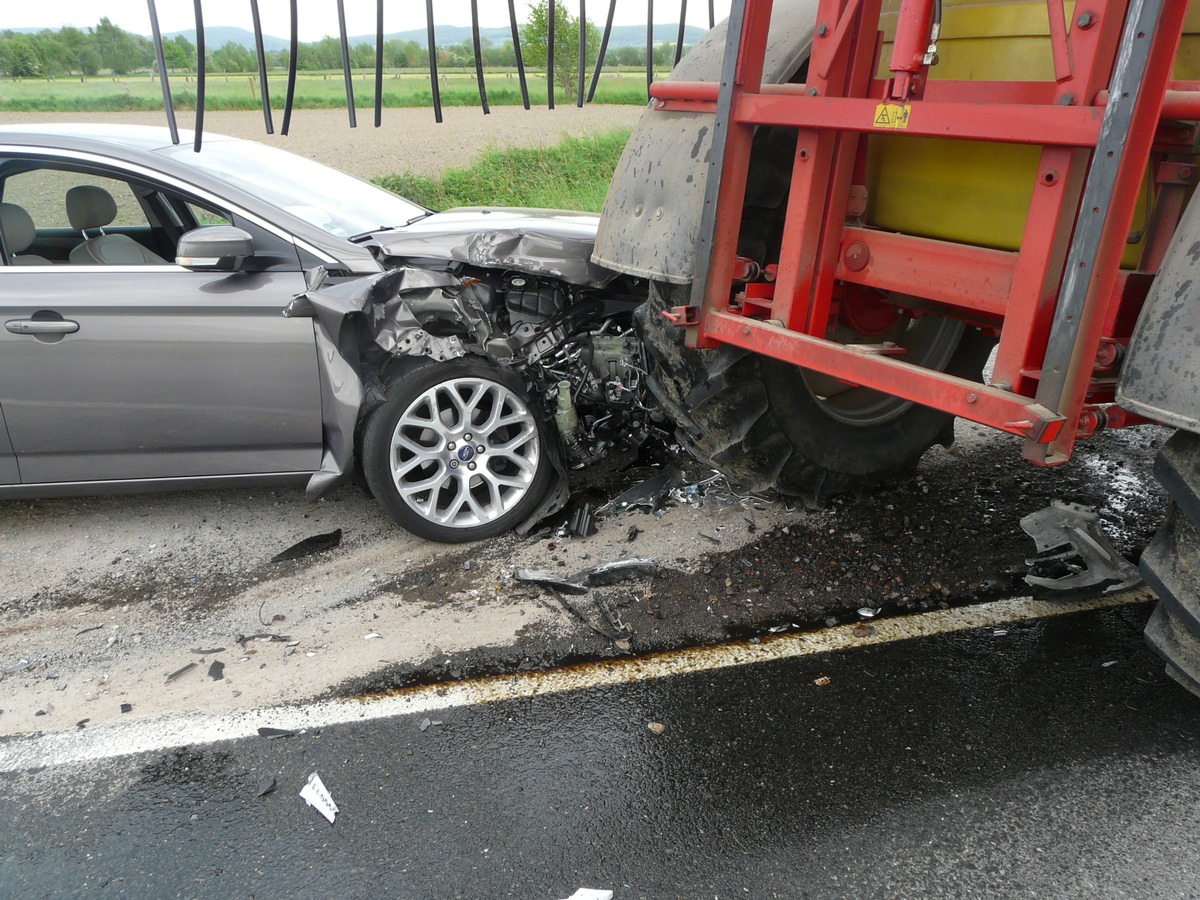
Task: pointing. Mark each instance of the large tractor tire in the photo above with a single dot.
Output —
(771, 426)
(1171, 563)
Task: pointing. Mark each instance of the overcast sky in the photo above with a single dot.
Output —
(319, 17)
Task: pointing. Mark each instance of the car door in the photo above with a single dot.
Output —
(130, 372)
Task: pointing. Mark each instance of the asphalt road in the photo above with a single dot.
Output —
(1049, 759)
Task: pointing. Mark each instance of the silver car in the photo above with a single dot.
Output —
(241, 315)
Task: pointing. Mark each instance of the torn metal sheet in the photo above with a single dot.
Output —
(1093, 559)
(549, 579)
(552, 242)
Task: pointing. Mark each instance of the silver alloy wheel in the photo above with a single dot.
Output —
(464, 452)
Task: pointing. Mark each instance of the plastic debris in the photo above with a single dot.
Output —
(126, 707)
(549, 579)
(315, 794)
(89, 628)
(616, 572)
(649, 493)
(62, 686)
(274, 733)
(657, 727)
(634, 531)
(591, 894)
(16, 667)
(1090, 560)
(823, 681)
(868, 612)
(582, 521)
(207, 651)
(244, 639)
(318, 543)
(217, 670)
(372, 636)
(265, 787)
(1111, 662)
(426, 723)
(183, 671)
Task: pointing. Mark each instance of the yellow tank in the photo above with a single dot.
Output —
(965, 191)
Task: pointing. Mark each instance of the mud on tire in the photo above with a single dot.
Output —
(756, 419)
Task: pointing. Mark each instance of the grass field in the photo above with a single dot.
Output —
(404, 88)
(571, 175)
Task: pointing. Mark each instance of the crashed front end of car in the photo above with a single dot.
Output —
(513, 289)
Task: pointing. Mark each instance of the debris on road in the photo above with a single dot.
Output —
(16, 667)
(89, 628)
(426, 723)
(315, 794)
(178, 672)
(549, 579)
(649, 494)
(244, 639)
(207, 651)
(582, 521)
(265, 787)
(274, 733)
(217, 670)
(318, 543)
(657, 727)
(372, 636)
(868, 612)
(617, 571)
(126, 707)
(1089, 560)
(591, 894)
(823, 681)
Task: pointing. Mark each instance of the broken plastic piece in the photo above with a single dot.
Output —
(649, 493)
(315, 794)
(17, 667)
(1077, 527)
(310, 545)
(582, 521)
(617, 571)
(591, 894)
(549, 579)
(182, 671)
(126, 707)
(265, 787)
(657, 727)
(868, 612)
(217, 670)
(273, 733)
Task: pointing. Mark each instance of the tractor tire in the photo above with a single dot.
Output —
(761, 422)
(1171, 563)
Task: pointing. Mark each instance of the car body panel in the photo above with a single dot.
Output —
(192, 374)
(9, 472)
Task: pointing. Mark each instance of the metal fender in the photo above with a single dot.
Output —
(652, 212)
(1161, 375)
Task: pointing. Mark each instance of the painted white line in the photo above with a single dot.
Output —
(122, 739)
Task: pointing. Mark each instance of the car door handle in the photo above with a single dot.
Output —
(41, 326)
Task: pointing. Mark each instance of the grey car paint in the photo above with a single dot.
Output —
(9, 472)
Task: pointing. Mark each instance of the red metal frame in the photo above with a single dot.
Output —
(1014, 292)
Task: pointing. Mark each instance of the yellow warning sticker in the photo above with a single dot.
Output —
(892, 115)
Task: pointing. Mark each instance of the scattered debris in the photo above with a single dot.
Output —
(868, 612)
(372, 636)
(310, 545)
(634, 531)
(217, 670)
(426, 723)
(18, 667)
(89, 628)
(126, 707)
(62, 686)
(823, 681)
(244, 639)
(207, 651)
(182, 671)
(657, 727)
(275, 733)
(1111, 662)
(591, 894)
(82, 723)
(1090, 560)
(278, 617)
(710, 538)
(582, 521)
(549, 579)
(265, 787)
(649, 493)
(315, 794)
(618, 571)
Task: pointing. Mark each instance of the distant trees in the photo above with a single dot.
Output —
(72, 51)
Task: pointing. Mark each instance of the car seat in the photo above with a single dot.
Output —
(19, 233)
(92, 207)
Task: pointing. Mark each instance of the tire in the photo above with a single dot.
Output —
(771, 426)
(1171, 563)
(457, 452)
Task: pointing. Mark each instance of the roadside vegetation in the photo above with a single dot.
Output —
(571, 175)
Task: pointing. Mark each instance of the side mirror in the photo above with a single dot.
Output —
(214, 248)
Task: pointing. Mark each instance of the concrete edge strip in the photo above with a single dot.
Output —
(147, 735)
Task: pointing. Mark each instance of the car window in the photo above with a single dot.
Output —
(43, 194)
(205, 215)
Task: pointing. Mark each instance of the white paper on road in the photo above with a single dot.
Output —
(317, 796)
(591, 894)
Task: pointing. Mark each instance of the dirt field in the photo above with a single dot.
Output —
(115, 608)
(409, 140)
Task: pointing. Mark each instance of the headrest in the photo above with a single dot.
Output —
(18, 228)
(89, 206)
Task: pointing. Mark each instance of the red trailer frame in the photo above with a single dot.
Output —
(1061, 305)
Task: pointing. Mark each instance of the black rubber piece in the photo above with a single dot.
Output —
(1171, 563)
(407, 381)
(754, 418)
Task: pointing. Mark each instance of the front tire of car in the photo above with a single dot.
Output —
(458, 452)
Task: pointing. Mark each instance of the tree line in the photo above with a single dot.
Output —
(73, 51)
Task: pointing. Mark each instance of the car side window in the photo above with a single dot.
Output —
(43, 194)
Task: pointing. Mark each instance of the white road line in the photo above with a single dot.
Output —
(122, 739)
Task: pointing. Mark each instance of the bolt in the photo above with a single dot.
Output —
(971, 398)
(812, 92)
(1185, 173)
(1085, 20)
(471, 466)
(450, 446)
(480, 449)
(466, 437)
(822, 30)
(454, 463)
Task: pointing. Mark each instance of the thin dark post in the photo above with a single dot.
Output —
(293, 46)
(712, 16)
(477, 44)
(582, 51)
(612, 8)
(349, 78)
(550, 57)
(378, 63)
(679, 37)
(199, 75)
(262, 68)
(649, 45)
(168, 106)
(433, 72)
(516, 34)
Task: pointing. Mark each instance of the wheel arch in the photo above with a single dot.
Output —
(651, 216)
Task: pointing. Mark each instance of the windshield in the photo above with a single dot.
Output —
(334, 201)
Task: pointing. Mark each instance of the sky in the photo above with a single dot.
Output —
(319, 17)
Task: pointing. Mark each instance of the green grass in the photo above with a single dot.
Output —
(326, 90)
(571, 175)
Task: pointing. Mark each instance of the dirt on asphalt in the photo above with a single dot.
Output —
(114, 608)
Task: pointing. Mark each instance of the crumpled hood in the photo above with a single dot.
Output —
(553, 242)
